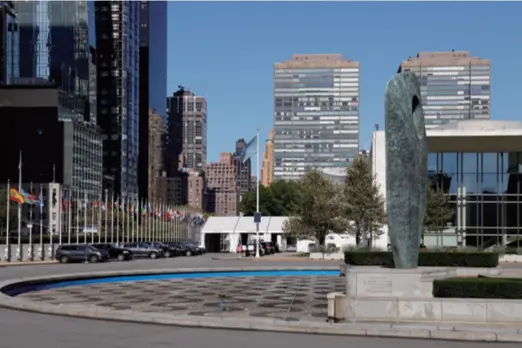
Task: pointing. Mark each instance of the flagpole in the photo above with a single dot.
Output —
(128, 219)
(69, 218)
(78, 204)
(41, 223)
(7, 251)
(133, 225)
(20, 210)
(117, 222)
(106, 217)
(30, 251)
(92, 221)
(99, 217)
(85, 207)
(112, 217)
(257, 192)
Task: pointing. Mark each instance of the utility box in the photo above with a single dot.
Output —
(336, 306)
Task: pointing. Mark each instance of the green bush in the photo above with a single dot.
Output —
(426, 258)
(481, 287)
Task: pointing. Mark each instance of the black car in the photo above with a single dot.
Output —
(200, 249)
(168, 250)
(185, 249)
(80, 253)
(115, 252)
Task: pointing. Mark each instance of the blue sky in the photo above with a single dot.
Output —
(225, 52)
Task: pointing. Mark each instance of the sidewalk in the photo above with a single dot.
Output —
(26, 263)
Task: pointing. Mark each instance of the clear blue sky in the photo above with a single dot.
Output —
(226, 51)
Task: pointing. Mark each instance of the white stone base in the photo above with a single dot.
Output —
(511, 258)
(376, 293)
(326, 256)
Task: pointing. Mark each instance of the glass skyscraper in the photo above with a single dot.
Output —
(117, 62)
(316, 114)
(9, 41)
(454, 85)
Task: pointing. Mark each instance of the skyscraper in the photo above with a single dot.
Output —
(54, 50)
(454, 85)
(243, 169)
(316, 114)
(267, 169)
(187, 131)
(9, 42)
(153, 82)
(117, 53)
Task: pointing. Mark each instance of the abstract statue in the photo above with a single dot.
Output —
(406, 168)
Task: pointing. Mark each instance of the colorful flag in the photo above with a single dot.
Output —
(16, 196)
(29, 198)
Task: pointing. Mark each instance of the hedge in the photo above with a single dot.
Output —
(426, 258)
(481, 287)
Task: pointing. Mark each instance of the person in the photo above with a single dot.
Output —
(239, 249)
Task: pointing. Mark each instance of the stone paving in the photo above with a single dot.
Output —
(293, 298)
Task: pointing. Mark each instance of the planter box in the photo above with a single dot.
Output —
(511, 258)
(325, 256)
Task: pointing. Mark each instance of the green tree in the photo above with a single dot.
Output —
(288, 193)
(268, 204)
(319, 211)
(438, 211)
(363, 204)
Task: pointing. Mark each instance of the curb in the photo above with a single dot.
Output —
(27, 263)
(420, 331)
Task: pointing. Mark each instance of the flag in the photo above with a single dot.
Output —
(29, 198)
(249, 150)
(41, 199)
(16, 196)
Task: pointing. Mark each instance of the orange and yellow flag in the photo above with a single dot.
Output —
(16, 196)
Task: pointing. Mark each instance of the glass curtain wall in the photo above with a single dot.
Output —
(485, 191)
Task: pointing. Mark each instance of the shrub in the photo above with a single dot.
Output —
(481, 287)
(426, 258)
(329, 249)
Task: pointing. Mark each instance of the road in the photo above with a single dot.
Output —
(29, 330)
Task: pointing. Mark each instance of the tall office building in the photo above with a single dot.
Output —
(267, 169)
(9, 42)
(223, 192)
(117, 53)
(454, 85)
(243, 169)
(187, 132)
(155, 153)
(153, 83)
(54, 50)
(316, 114)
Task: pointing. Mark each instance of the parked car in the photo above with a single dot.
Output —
(185, 248)
(251, 250)
(80, 253)
(168, 250)
(115, 251)
(143, 250)
(268, 246)
(201, 250)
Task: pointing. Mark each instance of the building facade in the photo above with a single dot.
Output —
(153, 82)
(117, 47)
(454, 85)
(187, 131)
(267, 169)
(222, 187)
(53, 148)
(243, 169)
(316, 114)
(156, 150)
(54, 49)
(171, 190)
(478, 164)
(196, 191)
(9, 42)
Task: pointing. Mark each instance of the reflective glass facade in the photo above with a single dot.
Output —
(486, 191)
(316, 114)
(454, 86)
(117, 53)
(9, 43)
(53, 46)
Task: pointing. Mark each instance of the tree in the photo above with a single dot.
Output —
(319, 211)
(279, 199)
(438, 211)
(363, 203)
(288, 193)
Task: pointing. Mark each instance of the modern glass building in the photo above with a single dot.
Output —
(454, 85)
(54, 49)
(9, 42)
(316, 114)
(153, 82)
(478, 164)
(117, 62)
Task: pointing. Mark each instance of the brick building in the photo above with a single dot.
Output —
(222, 186)
(267, 169)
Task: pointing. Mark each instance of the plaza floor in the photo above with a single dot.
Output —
(290, 298)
